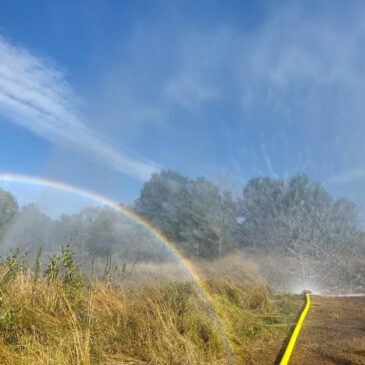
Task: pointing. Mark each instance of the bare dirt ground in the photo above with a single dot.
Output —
(333, 333)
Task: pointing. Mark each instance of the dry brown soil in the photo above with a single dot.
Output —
(333, 333)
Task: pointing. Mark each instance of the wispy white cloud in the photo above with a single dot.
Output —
(204, 63)
(189, 92)
(295, 82)
(306, 72)
(35, 95)
(268, 161)
(296, 74)
(350, 176)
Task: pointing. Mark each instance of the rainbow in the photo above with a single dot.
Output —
(140, 221)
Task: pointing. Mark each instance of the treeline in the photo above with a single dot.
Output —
(295, 216)
(92, 232)
(272, 215)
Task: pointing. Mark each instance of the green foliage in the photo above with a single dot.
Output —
(7, 323)
(53, 268)
(13, 264)
(64, 268)
(297, 216)
(98, 231)
(8, 209)
(194, 214)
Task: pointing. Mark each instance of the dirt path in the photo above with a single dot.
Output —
(333, 333)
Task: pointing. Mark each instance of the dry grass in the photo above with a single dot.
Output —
(156, 323)
(231, 268)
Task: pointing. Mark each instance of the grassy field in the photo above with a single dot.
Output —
(53, 316)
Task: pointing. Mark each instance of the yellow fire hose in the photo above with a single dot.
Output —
(294, 336)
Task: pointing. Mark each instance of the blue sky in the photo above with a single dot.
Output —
(100, 94)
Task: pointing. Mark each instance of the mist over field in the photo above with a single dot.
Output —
(292, 233)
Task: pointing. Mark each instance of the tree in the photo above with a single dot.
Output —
(194, 214)
(220, 211)
(30, 228)
(295, 216)
(8, 209)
